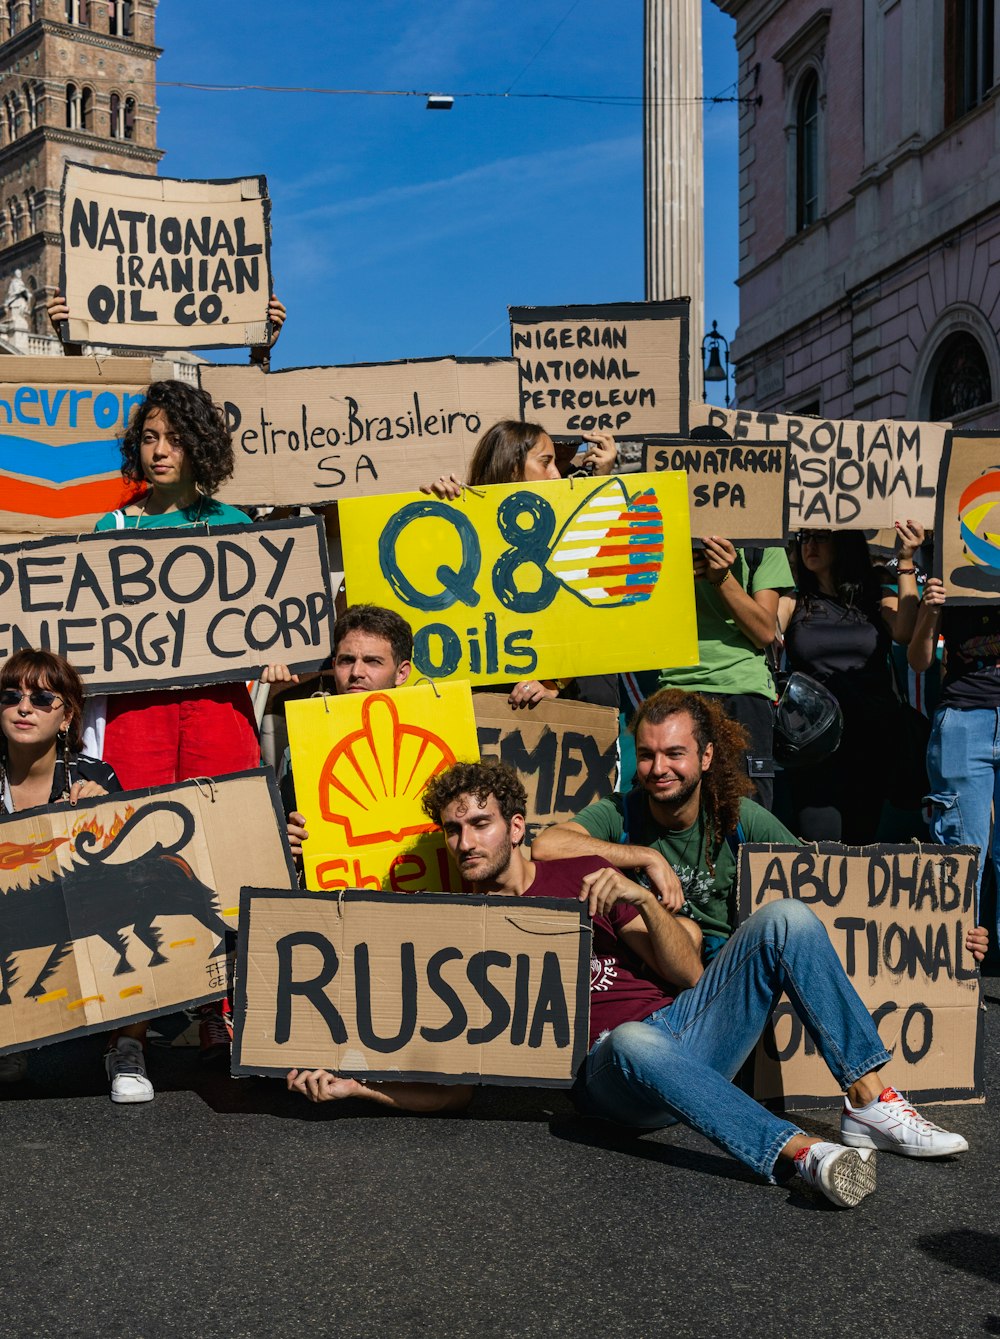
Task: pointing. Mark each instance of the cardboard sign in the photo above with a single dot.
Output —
(149, 262)
(622, 367)
(967, 528)
(846, 473)
(545, 581)
(739, 490)
(565, 753)
(142, 608)
(60, 423)
(360, 763)
(897, 917)
(390, 986)
(118, 909)
(313, 435)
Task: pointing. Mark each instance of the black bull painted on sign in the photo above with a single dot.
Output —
(95, 898)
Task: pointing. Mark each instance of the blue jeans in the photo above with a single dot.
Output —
(680, 1060)
(963, 766)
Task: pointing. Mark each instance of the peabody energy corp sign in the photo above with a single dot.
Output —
(139, 609)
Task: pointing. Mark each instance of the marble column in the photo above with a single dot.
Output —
(674, 163)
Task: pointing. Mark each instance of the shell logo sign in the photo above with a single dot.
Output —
(372, 781)
(360, 763)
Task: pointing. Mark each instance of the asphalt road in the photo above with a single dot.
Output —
(230, 1208)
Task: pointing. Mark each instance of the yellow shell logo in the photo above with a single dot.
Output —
(372, 781)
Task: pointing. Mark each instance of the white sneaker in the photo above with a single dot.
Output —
(843, 1175)
(13, 1068)
(890, 1123)
(127, 1072)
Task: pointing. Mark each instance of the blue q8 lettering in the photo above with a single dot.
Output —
(515, 581)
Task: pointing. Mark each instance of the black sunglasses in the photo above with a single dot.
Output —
(43, 698)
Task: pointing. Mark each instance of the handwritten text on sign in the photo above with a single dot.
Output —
(550, 581)
(388, 986)
(620, 367)
(566, 753)
(317, 434)
(736, 489)
(153, 262)
(361, 762)
(141, 608)
(60, 424)
(897, 917)
(852, 474)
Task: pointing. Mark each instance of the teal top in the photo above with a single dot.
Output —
(206, 511)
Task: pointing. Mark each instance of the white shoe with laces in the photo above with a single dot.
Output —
(844, 1175)
(890, 1123)
(127, 1071)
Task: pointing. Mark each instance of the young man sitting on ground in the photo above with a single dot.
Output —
(667, 1036)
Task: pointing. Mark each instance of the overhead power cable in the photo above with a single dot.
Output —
(596, 99)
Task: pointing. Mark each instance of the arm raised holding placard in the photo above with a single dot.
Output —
(756, 614)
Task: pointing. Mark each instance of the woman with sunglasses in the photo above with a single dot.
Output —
(838, 628)
(42, 763)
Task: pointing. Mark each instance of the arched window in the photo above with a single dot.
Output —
(76, 12)
(72, 107)
(12, 15)
(961, 378)
(117, 127)
(87, 109)
(31, 210)
(31, 105)
(3, 228)
(15, 221)
(8, 118)
(18, 113)
(807, 153)
(128, 119)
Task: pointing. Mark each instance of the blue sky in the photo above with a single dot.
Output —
(399, 232)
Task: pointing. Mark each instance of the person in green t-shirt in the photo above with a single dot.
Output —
(681, 825)
(736, 600)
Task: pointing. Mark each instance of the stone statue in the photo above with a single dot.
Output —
(18, 302)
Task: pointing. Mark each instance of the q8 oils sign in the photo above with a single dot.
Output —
(540, 581)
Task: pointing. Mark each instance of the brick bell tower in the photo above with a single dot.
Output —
(77, 81)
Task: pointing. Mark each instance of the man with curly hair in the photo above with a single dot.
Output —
(666, 1036)
(678, 829)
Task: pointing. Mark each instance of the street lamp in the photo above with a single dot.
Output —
(711, 363)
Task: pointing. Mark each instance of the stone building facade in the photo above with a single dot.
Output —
(77, 82)
(869, 189)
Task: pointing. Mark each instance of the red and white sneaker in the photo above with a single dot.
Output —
(215, 1032)
(890, 1123)
(844, 1175)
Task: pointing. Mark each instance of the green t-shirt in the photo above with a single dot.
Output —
(711, 898)
(729, 661)
(206, 511)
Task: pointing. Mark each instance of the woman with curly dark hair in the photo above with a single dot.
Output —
(679, 828)
(177, 445)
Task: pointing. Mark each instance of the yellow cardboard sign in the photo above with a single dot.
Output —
(541, 580)
(361, 762)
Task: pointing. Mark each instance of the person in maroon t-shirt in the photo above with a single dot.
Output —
(666, 1035)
